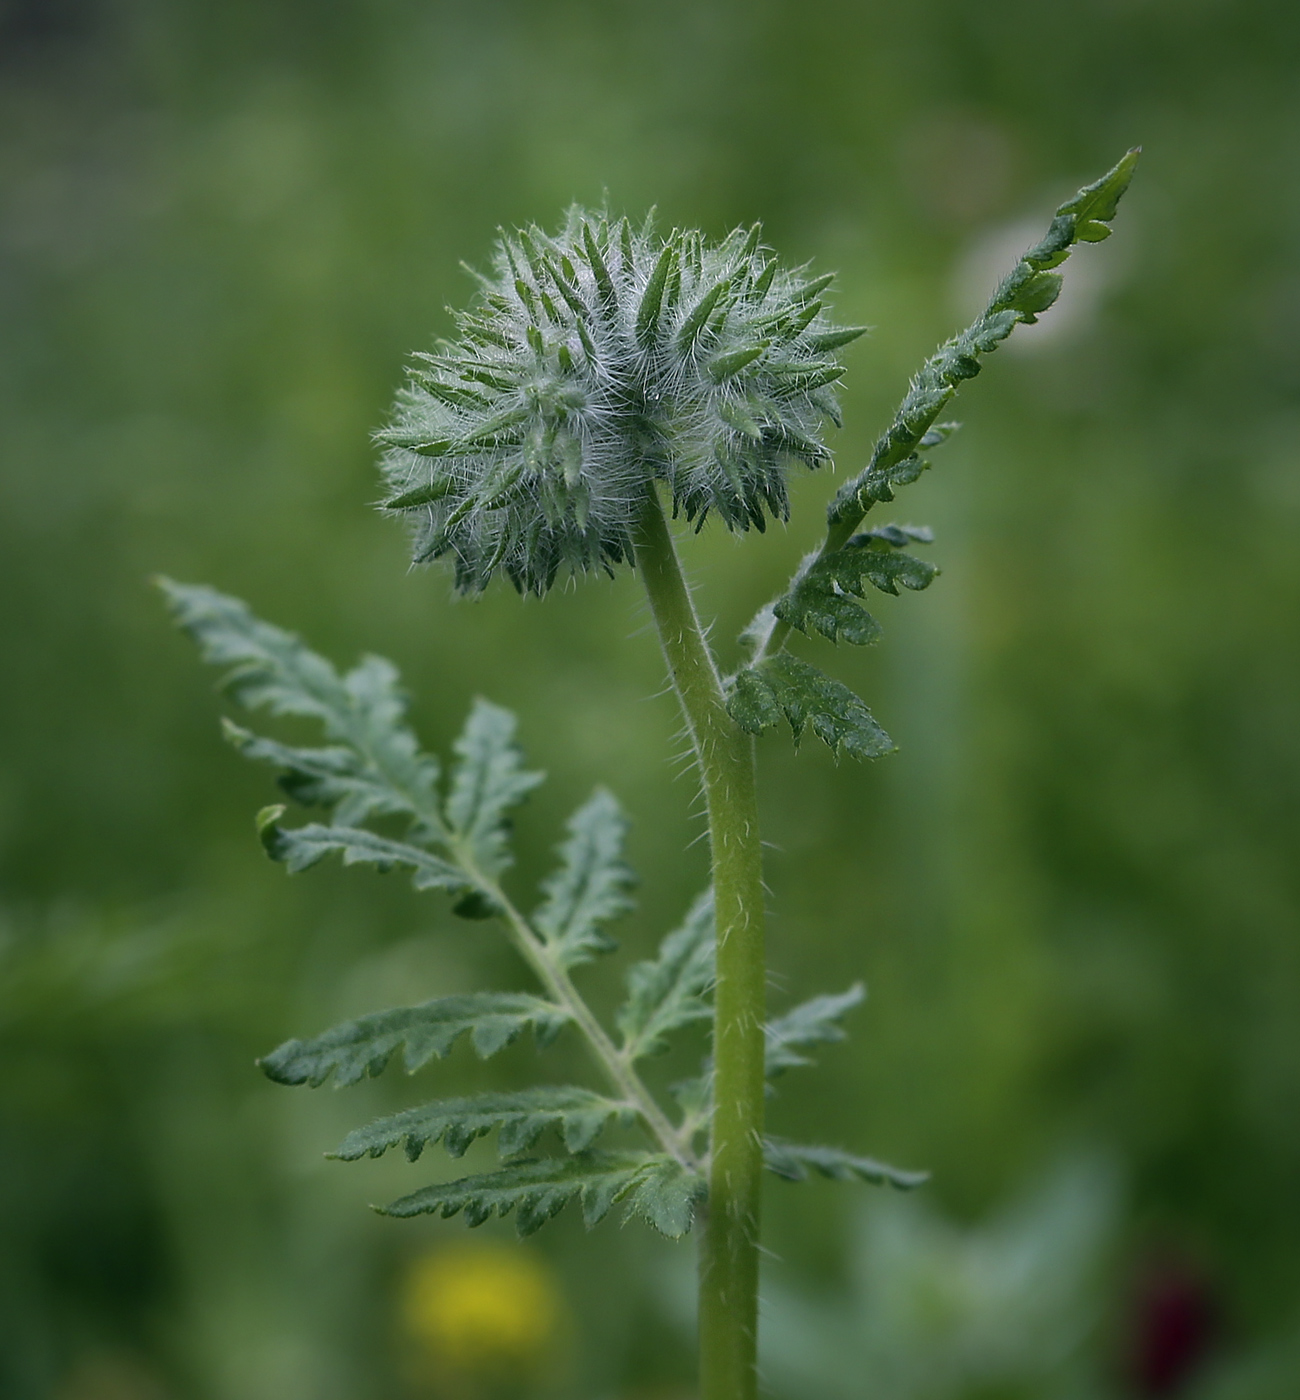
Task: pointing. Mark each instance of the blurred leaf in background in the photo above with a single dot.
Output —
(1074, 894)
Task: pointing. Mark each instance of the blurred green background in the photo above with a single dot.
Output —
(1074, 892)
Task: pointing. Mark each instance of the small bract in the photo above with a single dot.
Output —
(595, 362)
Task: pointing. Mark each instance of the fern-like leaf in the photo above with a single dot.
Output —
(783, 685)
(488, 780)
(579, 1114)
(1027, 291)
(364, 710)
(655, 1187)
(300, 847)
(591, 885)
(795, 1162)
(814, 1022)
(362, 1047)
(670, 990)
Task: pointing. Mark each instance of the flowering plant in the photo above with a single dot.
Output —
(604, 372)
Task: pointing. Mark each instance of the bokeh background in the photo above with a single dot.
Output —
(1074, 892)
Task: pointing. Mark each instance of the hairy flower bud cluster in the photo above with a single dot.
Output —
(596, 362)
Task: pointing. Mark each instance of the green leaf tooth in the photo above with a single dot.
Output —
(670, 990)
(625, 247)
(750, 246)
(364, 1046)
(423, 495)
(795, 1162)
(647, 316)
(811, 290)
(821, 341)
(487, 782)
(694, 322)
(813, 1022)
(723, 367)
(604, 283)
(783, 685)
(736, 414)
(591, 886)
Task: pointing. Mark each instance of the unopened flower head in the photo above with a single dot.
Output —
(596, 362)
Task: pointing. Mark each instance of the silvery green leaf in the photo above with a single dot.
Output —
(487, 781)
(654, 1187)
(522, 1116)
(591, 886)
(670, 990)
(364, 1046)
(814, 1022)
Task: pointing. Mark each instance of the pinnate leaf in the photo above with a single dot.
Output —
(670, 990)
(591, 885)
(782, 685)
(579, 1114)
(822, 596)
(1027, 290)
(363, 710)
(362, 1047)
(655, 1187)
(488, 780)
(814, 1022)
(796, 1162)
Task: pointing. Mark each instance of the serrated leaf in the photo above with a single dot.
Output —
(821, 599)
(591, 885)
(487, 782)
(670, 990)
(363, 710)
(579, 1114)
(1029, 289)
(783, 685)
(300, 847)
(794, 1162)
(813, 1022)
(656, 1188)
(363, 1047)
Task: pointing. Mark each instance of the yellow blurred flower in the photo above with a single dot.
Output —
(482, 1309)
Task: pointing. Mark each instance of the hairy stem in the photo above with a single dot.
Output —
(725, 755)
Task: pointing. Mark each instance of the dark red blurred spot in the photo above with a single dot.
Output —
(1174, 1327)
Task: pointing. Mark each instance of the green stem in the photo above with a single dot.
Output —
(725, 755)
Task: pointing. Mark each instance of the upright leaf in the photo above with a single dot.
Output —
(655, 1187)
(364, 1046)
(579, 1114)
(814, 1022)
(487, 782)
(591, 885)
(670, 990)
(1027, 290)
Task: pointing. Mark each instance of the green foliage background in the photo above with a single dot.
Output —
(1074, 893)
